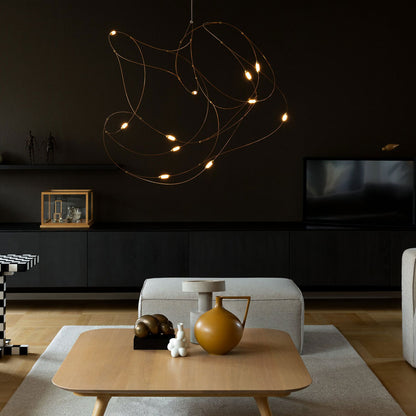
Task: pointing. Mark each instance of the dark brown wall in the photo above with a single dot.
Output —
(346, 68)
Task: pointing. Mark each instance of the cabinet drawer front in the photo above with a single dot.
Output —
(126, 259)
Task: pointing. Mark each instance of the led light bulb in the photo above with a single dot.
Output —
(164, 176)
(252, 101)
(285, 117)
(113, 32)
(248, 75)
(124, 126)
(194, 92)
(257, 67)
(170, 137)
(209, 164)
(175, 149)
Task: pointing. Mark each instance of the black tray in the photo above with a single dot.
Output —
(152, 342)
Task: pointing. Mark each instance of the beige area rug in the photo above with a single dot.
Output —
(342, 385)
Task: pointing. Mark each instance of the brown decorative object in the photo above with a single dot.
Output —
(167, 328)
(218, 331)
(151, 322)
(161, 318)
(141, 330)
(389, 147)
(152, 332)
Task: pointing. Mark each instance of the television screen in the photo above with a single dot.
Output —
(373, 192)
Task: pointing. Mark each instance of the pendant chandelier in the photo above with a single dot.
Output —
(150, 151)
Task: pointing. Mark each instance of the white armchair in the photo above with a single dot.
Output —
(409, 305)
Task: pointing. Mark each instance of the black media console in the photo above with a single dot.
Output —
(119, 257)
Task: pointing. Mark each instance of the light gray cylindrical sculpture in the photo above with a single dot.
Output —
(204, 288)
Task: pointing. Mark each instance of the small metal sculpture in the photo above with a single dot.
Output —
(57, 215)
(70, 214)
(152, 332)
(30, 145)
(77, 215)
(50, 143)
(153, 324)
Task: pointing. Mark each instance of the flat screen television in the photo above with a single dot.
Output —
(359, 192)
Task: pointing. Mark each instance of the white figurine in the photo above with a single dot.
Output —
(178, 346)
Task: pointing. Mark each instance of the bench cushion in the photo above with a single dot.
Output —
(275, 302)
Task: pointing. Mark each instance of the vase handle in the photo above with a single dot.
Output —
(248, 298)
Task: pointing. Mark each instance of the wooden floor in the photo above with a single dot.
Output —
(373, 327)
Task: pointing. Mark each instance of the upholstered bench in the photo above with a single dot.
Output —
(275, 302)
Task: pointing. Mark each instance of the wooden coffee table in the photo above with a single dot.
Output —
(103, 363)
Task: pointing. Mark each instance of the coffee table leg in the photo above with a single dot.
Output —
(100, 405)
(263, 406)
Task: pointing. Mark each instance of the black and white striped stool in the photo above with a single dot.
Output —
(9, 265)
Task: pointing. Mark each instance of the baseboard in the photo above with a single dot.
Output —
(135, 295)
(353, 295)
(74, 296)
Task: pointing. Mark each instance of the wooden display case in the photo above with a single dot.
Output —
(66, 208)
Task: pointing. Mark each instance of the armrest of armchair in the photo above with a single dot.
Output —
(408, 305)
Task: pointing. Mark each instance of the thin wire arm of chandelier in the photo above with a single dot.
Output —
(118, 143)
(151, 179)
(229, 126)
(190, 34)
(216, 135)
(195, 70)
(147, 179)
(135, 109)
(260, 139)
(204, 91)
(240, 58)
(237, 56)
(221, 152)
(124, 82)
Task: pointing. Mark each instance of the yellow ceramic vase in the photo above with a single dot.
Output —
(218, 331)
